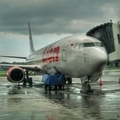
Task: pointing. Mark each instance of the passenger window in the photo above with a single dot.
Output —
(77, 46)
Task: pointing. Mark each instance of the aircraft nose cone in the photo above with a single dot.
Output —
(97, 58)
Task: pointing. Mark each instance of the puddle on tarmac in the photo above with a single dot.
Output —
(30, 104)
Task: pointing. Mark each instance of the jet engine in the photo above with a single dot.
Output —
(15, 74)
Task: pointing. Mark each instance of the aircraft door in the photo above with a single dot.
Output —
(64, 51)
(64, 54)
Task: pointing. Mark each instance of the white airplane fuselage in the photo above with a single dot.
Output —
(76, 56)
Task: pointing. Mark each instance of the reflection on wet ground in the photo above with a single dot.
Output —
(34, 104)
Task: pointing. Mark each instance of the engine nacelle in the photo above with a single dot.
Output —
(15, 74)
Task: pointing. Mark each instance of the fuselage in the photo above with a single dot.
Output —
(75, 56)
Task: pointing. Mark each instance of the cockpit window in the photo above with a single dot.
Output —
(88, 44)
(91, 44)
(77, 46)
(97, 44)
(81, 46)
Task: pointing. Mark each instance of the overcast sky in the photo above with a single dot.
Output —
(50, 21)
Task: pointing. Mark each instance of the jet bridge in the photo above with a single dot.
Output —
(109, 35)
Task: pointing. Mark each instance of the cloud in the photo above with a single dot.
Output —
(50, 20)
(55, 16)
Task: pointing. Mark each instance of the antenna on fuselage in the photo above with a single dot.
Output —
(30, 39)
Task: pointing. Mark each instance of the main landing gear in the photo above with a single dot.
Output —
(27, 80)
(86, 88)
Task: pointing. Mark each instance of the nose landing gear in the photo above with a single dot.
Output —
(86, 88)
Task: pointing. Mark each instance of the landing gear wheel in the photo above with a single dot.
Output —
(49, 88)
(86, 88)
(69, 80)
(24, 82)
(64, 80)
(30, 81)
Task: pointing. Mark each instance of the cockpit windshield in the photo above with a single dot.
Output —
(90, 44)
(98, 44)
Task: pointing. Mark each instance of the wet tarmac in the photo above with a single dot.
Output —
(32, 103)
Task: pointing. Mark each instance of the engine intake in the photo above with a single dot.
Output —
(15, 74)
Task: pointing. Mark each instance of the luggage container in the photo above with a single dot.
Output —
(53, 80)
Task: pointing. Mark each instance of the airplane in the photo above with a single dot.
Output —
(77, 56)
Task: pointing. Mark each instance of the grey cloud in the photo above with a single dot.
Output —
(53, 16)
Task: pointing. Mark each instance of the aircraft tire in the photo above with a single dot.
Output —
(69, 80)
(86, 88)
(49, 88)
(24, 82)
(64, 79)
(30, 81)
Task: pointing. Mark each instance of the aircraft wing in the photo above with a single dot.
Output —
(13, 57)
(36, 68)
(28, 67)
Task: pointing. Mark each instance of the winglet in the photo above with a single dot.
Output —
(30, 39)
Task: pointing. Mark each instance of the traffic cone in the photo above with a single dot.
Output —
(100, 82)
(18, 85)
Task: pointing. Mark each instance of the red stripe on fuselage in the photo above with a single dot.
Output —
(51, 54)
